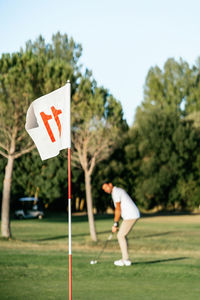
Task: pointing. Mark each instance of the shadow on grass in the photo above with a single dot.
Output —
(100, 233)
(156, 234)
(152, 235)
(64, 237)
(63, 218)
(159, 261)
(159, 234)
(87, 234)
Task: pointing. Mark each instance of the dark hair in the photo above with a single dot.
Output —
(106, 182)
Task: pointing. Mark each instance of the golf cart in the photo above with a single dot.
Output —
(29, 208)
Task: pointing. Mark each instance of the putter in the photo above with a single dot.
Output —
(93, 262)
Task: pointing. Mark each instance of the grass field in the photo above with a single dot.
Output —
(165, 251)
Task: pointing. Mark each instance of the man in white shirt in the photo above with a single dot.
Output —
(126, 208)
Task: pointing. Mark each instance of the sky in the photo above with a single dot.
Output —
(121, 40)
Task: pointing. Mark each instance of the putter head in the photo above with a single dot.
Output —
(93, 262)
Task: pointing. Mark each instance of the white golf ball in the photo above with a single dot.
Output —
(93, 262)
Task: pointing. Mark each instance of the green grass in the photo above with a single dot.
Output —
(165, 251)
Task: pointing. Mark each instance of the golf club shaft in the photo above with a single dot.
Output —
(105, 244)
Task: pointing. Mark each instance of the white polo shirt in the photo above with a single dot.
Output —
(129, 210)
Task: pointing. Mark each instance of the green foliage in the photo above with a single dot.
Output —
(97, 125)
(168, 88)
(168, 148)
(169, 138)
(175, 88)
(112, 170)
(57, 61)
(46, 179)
(97, 119)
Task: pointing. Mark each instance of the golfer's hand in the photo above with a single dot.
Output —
(114, 229)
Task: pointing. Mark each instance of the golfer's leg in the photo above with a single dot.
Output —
(125, 228)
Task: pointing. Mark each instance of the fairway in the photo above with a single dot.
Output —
(164, 250)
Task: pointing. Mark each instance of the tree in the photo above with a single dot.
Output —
(168, 88)
(167, 138)
(192, 102)
(47, 179)
(25, 76)
(132, 160)
(116, 169)
(168, 147)
(15, 90)
(96, 124)
(168, 143)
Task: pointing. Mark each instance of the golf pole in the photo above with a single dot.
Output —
(69, 224)
(69, 192)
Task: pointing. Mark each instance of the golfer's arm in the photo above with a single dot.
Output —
(117, 212)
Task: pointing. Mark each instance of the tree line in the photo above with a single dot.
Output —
(156, 159)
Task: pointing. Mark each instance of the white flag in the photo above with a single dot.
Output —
(48, 122)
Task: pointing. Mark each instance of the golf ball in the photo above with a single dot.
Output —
(93, 262)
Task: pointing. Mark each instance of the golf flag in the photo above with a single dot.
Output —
(48, 122)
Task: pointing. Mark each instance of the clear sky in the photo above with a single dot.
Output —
(121, 39)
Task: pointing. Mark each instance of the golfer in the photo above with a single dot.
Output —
(126, 208)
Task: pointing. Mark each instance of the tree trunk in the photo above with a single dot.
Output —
(89, 206)
(5, 211)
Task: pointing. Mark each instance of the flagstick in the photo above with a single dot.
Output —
(69, 223)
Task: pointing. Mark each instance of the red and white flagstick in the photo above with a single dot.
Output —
(69, 224)
(69, 194)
